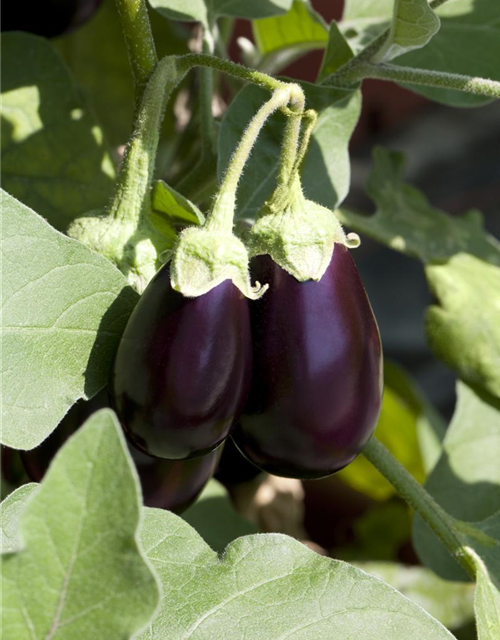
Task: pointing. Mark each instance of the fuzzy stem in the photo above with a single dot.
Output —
(139, 39)
(222, 213)
(206, 94)
(132, 197)
(370, 50)
(408, 75)
(289, 147)
(443, 525)
(311, 118)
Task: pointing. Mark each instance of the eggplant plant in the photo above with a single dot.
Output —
(181, 301)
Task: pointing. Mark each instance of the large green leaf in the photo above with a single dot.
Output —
(466, 480)
(97, 56)
(206, 10)
(464, 328)
(269, 586)
(53, 155)
(64, 310)
(282, 39)
(326, 172)
(405, 221)
(81, 572)
(412, 26)
(10, 513)
(215, 519)
(449, 602)
(468, 42)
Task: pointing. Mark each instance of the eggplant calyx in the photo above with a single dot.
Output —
(297, 233)
(203, 258)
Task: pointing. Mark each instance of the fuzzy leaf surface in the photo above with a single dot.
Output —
(64, 310)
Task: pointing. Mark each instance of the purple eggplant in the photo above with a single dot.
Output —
(49, 18)
(166, 484)
(182, 369)
(317, 374)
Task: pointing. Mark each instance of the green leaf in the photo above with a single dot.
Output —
(206, 10)
(337, 52)
(64, 310)
(10, 512)
(466, 480)
(282, 39)
(413, 25)
(464, 328)
(81, 572)
(326, 172)
(215, 519)
(269, 586)
(97, 55)
(405, 221)
(53, 155)
(449, 602)
(468, 42)
(487, 601)
(178, 209)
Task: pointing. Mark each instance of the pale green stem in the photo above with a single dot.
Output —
(139, 39)
(222, 213)
(422, 77)
(289, 147)
(443, 525)
(132, 198)
(311, 118)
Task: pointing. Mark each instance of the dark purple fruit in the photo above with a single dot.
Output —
(166, 484)
(235, 469)
(317, 372)
(182, 369)
(47, 18)
(174, 484)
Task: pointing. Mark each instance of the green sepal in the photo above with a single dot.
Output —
(204, 257)
(297, 233)
(134, 249)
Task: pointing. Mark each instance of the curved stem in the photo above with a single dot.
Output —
(443, 525)
(139, 39)
(132, 197)
(311, 118)
(190, 60)
(222, 214)
(289, 147)
(370, 50)
(423, 77)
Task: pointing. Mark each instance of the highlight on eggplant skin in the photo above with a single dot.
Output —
(166, 484)
(182, 370)
(317, 374)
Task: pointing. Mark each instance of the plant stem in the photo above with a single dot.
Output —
(443, 525)
(190, 60)
(139, 39)
(311, 117)
(222, 213)
(132, 197)
(370, 50)
(206, 94)
(289, 147)
(440, 79)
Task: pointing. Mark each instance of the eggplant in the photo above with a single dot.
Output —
(172, 485)
(182, 369)
(49, 18)
(317, 373)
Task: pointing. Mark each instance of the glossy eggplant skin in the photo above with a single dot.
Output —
(317, 374)
(182, 369)
(166, 484)
(49, 18)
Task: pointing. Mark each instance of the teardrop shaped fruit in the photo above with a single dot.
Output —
(317, 372)
(166, 484)
(182, 369)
